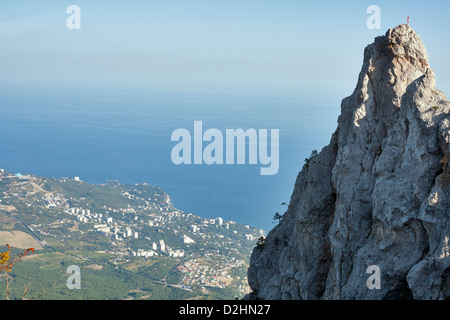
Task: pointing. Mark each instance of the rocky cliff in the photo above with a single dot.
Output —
(378, 194)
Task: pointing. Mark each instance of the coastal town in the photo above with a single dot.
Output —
(130, 225)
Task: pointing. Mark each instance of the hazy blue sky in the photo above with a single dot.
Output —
(246, 45)
(294, 60)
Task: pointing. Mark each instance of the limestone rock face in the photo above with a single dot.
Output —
(378, 194)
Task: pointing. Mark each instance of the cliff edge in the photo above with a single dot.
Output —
(378, 194)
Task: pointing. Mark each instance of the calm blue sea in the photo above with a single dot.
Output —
(125, 135)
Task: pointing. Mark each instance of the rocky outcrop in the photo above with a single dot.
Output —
(378, 194)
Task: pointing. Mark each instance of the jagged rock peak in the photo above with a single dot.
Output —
(377, 195)
(403, 43)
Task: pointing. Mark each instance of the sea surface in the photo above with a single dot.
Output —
(125, 135)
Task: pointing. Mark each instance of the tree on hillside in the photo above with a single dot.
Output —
(278, 217)
(7, 262)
